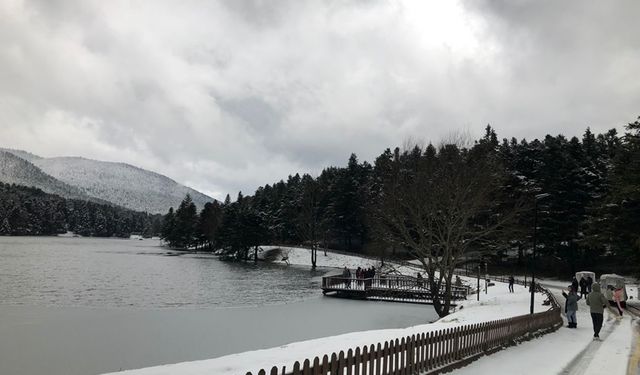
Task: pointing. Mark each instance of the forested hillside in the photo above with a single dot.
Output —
(30, 211)
(588, 215)
(19, 171)
(120, 183)
(99, 181)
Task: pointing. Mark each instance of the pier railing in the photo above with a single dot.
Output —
(398, 287)
(430, 352)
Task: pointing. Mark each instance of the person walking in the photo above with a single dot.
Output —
(589, 284)
(597, 303)
(571, 306)
(511, 281)
(617, 298)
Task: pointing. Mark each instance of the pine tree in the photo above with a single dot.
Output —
(622, 206)
(209, 222)
(186, 223)
(169, 227)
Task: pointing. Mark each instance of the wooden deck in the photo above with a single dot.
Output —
(391, 288)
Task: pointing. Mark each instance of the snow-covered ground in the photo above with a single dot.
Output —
(567, 351)
(302, 257)
(496, 303)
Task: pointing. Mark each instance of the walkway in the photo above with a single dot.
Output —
(569, 351)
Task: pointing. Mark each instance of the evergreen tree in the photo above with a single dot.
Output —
(209, 223)
(168, 228)
(186, 223)
(617, 230)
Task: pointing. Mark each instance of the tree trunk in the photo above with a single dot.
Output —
(519, 254)
(314, 256)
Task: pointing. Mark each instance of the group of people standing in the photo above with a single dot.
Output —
(594, 299)
(361, 275)
(365, 273)
(584, 284)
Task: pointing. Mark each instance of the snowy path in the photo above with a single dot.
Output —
(584, 362)
(566, 351)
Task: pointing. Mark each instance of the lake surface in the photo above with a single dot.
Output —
(88, 306)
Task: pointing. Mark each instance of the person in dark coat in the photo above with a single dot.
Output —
(583, 287)
(346, 274)
(571, 306)
(574, 284)
(589, 283)
(511, 281)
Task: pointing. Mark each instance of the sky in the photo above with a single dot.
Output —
(226, 96)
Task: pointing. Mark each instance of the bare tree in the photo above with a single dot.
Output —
(308, 223)
(439, 205)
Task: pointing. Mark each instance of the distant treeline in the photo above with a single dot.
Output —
(591, 215)
(28, 211)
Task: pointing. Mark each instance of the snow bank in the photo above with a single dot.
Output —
(302, 257)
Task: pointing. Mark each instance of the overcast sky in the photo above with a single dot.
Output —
(230, 95)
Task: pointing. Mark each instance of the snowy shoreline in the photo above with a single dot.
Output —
(496, 304)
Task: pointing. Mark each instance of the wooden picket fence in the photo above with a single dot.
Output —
(432, 352)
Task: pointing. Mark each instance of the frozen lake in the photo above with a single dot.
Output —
(87, 306)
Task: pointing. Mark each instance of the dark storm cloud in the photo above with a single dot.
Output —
(230, 95)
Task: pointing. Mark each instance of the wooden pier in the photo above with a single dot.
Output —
(390, 288)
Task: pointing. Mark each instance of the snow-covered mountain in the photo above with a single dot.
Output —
(16, 170)
(119, 183)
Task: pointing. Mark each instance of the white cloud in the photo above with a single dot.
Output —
(227, 96)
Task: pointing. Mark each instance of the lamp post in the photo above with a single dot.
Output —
(478, 281)
(532, 285)
(486, 278)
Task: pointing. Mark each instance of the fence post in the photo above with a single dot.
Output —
(350, 362)
(378, 358)
(385, 357)
(485, 345)
(456, 343)
(325, 365)
(372, 356)
(365, 359)
(413, 353)
(357, 360)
